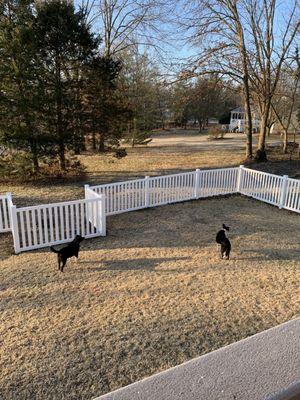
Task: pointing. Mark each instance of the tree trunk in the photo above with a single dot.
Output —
(200, 125)
(94, 147)
(62, 158)
(261, 149)
(59, 127)
(35, 160)
(249, 151)
(285, 141)
(101, 147)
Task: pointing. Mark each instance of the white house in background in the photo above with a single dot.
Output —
(238, 120)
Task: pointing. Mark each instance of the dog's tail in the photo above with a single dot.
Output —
(53, 249)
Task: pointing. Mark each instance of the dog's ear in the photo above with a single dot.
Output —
(225, 227)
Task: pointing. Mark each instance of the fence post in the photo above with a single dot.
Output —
(147, 192)
(102, 214)
(86, 187)
(283, 191)
(15, 228)
(239, 184)
(9, 205)
(197, 181)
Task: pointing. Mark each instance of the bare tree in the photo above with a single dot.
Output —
(125, 23)
(239, 39)
(286, 99)
(269, 50)
(216, 26)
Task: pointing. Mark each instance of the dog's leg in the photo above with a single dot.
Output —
(222, 252)
(63, 265)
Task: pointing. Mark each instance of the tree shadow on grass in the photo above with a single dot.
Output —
(273, 254)
(137, 264)
(250, 258)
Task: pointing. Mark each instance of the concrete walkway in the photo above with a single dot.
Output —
(263, 366)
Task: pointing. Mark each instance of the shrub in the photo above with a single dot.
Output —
(215, 132)
(120, 153)
(18, 166)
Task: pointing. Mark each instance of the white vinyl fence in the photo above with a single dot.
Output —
(280, 191)
(5, 202)
(292, 197)
(49, 224)
(44, 225)
(262, 186)
(159, 190)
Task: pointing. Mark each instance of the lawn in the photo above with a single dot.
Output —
(152, 294)
(163, 156)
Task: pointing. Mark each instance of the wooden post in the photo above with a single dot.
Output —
(239, 185)
(283, 191)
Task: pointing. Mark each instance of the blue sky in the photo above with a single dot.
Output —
(175, 50)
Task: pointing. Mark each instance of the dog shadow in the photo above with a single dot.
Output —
(137, 264)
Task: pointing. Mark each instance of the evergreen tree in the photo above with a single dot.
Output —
(65, 44)
(20, 94)
(108, 112)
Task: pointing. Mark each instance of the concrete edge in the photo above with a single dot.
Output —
(290, 393)
(286, 394)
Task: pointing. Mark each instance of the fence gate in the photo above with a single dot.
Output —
(45, 225)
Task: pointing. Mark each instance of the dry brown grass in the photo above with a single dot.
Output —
(151, 295)
(169, 152)
(155, 159)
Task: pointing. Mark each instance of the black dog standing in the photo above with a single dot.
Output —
(223, 240)
(71, 250)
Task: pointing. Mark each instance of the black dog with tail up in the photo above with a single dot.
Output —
(223, 240)
(71, 250)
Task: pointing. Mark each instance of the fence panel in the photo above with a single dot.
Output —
(171, 188)
(45, 225)
(217, 182)
(123, 196)
(262, 186)
(96, 210)
(5, 203)
(153, 191)
(292, 198)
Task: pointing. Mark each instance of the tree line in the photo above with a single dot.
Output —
(63, 86)
(58, 86)
(72, 77)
